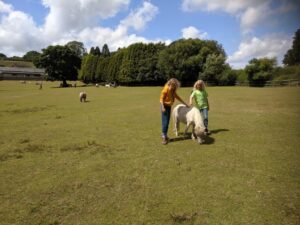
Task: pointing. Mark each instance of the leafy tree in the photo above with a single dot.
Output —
(115, 62)
(16, 58)
(105, 51)
(88, 71)
(2, 56)
(259, 71)
(102, 69)
(92, 51)
(60, 63)
(241, 75)
(77, 47)
(32, 56)
(139, 63)
(213, 68)
(228, 76)
(287, 73)
(82, 72)
(184, 59)
(292, 57)
(97, 51)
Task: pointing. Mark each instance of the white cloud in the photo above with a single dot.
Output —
(253, 16)
(192, 32)
(269, 46)
(75, 15)
(70, 20)
(229, 6)
(140, 17)
(250, 12)
(5, 8)
(113, 38)
(19, 33)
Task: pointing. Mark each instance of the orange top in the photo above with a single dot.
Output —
(166, 96)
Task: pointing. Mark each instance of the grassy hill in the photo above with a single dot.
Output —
(6, 63)
(102, 162)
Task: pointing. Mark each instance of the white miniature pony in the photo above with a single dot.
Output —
(189, 116)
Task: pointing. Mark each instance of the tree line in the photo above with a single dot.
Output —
(155, 63)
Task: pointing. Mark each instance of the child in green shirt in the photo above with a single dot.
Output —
(200, 97)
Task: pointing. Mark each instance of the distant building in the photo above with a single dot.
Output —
(20, 73)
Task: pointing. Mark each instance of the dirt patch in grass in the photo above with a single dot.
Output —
(90, 146)
(28, 110)
(19, 152)
(183, 217)
(5, 157)
(32, 148)
(24, 141)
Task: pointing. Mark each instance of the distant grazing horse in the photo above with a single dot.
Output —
(190, 117)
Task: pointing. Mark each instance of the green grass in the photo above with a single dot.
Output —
(9, 63)
(102, 162)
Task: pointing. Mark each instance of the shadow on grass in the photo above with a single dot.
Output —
(208, 139)
(218, 131)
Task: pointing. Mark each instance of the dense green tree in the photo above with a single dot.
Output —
(184, 59)
(88, 68)
(92, 51)
(139, 63)
(32, 56)
(97, 51)
(287, 73)
(292, 57)
(213, 68)
(102, 69)
(227, 77)
(77, 47)
(82, 72)
(150, 64)
(259, 71)
(3, 56)
(105, 50)
(16, 58)
(115, 62)
(60, 63)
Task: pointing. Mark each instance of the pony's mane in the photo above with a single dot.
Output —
(198, 117)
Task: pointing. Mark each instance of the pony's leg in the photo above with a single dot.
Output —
(187, 127)
(176, 127)
(193, 136)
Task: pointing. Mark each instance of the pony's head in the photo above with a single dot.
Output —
(200, 134)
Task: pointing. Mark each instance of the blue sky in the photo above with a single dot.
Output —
(245, 28)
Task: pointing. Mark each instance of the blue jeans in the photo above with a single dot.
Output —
(165, 119)
(204, 113)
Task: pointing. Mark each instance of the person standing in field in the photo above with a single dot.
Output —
(167, 98)
(200, 97)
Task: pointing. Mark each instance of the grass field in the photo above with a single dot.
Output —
(102, 162)
(9, 63)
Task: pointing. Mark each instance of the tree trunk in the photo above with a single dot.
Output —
(65, 84)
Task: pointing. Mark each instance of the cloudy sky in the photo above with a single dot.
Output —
(245, 28)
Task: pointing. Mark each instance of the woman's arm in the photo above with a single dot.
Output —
(179, 99)
(191, 100)
(162, 107)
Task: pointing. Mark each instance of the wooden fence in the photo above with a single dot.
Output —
(274, 83)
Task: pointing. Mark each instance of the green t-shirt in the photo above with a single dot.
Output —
(200, 98)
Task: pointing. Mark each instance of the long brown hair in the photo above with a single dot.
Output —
(176, 83)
